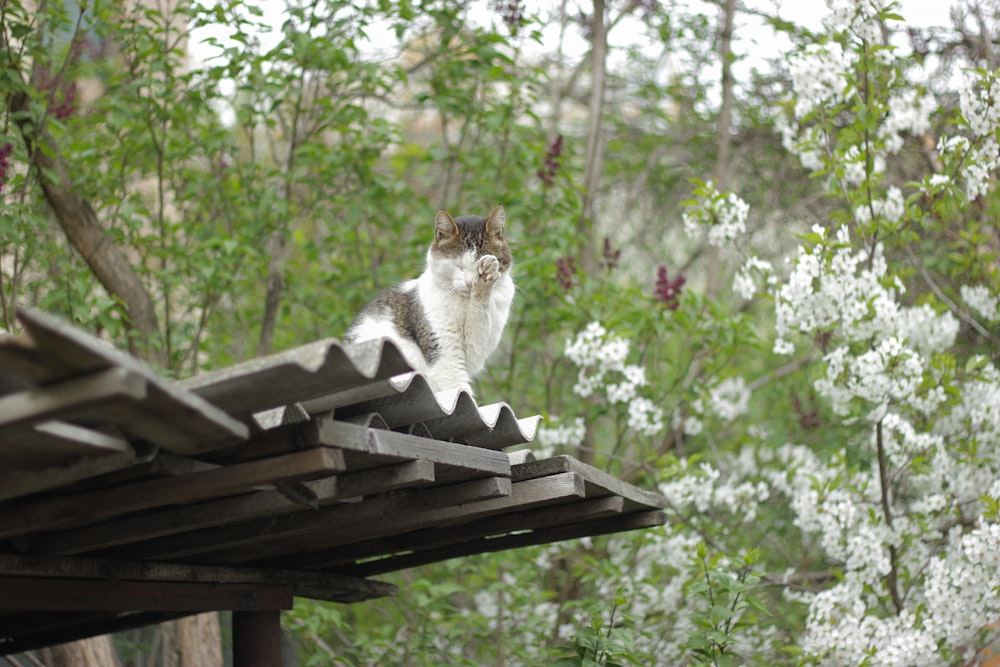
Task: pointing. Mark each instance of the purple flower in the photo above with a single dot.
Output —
(566, 272)
(511, 12)
(547, 173)
(611, 256)
(668, 291)
(5, 152)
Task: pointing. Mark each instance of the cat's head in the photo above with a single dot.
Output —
(460, 242)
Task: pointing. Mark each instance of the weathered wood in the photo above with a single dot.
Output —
(378, 445)
(54, 444)
(30, 594)
(19, 356)
(33, 630)
(90, 507)
(636, 521)
(69, 398)
(312, 584)
(251, 540)
(256, 638)
(436, 538)
(171, 417)
(599, 483)
(122, 455)
(375, 520)
(174, 520)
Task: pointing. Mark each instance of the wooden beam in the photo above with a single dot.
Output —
(304, 583)
(37, 630)
(18, 483)
(606, 526)
(599, 483)
(256, 638)
(436, 538)
(385, 517)
(69, 398)
(250, 540)
(173, 520)
(31, 594)
(382, 446)
(92, 506)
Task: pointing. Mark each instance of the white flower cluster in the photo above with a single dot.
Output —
(729, 399)
(601, 360)
(725, 216)
(555, 434)
(745, 282)
(707, 489)
(818, 77)
(836, 288)
(909, 111)
(979, 101)
(890, 209)
(857, 17)
(980, 300)
(888, 373)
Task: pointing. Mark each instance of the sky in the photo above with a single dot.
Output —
(808, 13)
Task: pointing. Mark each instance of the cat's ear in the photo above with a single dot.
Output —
(496, 221)
(444, 226)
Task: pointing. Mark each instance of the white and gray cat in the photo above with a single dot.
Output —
(450, 319)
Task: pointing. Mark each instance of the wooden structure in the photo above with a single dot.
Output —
(127, 499)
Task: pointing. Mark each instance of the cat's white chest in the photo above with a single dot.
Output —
(468, 329)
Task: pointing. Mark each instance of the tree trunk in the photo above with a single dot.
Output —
(192, 641)
(594, 167)
(87, 236)
(93, 652)
(722, 180)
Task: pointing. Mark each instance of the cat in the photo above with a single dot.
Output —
(448, 321)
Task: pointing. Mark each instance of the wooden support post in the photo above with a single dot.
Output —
(256, 638)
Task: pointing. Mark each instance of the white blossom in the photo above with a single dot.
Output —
(745, 282)
(982, 301)
(555, 434)
(818, 77)
(724, 215)
(729, 399)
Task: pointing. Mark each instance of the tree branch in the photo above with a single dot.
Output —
(84, 231)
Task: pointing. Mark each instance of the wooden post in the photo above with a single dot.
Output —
(256, 638)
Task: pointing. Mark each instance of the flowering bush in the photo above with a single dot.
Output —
(888, 522)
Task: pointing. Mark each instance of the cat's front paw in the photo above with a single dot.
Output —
(488, 269)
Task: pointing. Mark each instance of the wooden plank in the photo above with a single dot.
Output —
(436, 538)
(392, 518)
(69, 398)
(250, 540)
(174, 520)
(388, 445)
(20, 357)
(37, 630)
(637, 521)
(318, 585)
(54, 444)
(599, 483)
(256, 638)
(90, 507)
(17, 483)
(31, 594)
(173, 418)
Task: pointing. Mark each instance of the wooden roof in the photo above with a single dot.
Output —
(127, 499)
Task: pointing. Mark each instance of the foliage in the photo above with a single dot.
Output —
(825, 432)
